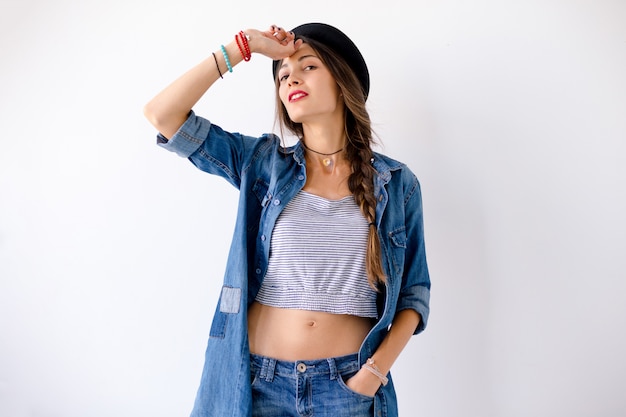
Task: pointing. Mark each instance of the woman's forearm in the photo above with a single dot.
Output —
(403, 327)
(169, 109)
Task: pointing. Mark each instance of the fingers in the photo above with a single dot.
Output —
(278, 43)
(281, 35)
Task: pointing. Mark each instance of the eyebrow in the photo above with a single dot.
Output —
(300, 59)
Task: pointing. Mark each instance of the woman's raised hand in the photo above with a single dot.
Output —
(275, 43)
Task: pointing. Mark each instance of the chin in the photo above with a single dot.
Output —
(295, 118)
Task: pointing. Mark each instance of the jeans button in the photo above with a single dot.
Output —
(301, 367)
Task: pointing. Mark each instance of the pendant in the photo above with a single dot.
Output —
(326, 161)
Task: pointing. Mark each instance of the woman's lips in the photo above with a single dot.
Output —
(297, 95)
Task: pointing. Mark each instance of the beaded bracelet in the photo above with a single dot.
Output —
(217, 65)
(244, 39)
(230, 67)
(371, 366)
(244, 47)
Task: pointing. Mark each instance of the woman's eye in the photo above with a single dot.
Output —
(283, 77)
(309, 67)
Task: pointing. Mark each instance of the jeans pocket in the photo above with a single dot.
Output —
(342, 383)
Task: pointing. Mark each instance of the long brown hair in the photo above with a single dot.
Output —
(358, 148)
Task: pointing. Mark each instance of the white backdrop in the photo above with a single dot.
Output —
(511, 113)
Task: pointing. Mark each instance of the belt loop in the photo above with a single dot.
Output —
(267, 369)
(332, 368)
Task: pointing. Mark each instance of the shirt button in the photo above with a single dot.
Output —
(301, 177)
(276, 202)
(301, 367)
(258, 270)
(263, 238)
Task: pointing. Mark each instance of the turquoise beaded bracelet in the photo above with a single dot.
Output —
(230, 67)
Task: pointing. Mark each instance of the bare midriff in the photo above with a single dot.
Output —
(292, 335)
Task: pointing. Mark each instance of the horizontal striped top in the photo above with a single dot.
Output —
(317, 258)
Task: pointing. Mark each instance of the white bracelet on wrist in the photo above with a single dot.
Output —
(371, 366)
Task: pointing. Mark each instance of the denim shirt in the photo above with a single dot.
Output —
(268, 175)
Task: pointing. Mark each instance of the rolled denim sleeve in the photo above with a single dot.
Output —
(415, 290)
(416, 297)
(216, 151)
(188, 138)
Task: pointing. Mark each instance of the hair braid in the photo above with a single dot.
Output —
(361, 184)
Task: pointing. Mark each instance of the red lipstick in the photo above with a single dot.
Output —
(297, 95)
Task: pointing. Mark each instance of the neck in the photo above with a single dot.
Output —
(328, 161)
(324, 138)
(322, 153)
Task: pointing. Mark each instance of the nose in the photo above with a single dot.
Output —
(293, 77)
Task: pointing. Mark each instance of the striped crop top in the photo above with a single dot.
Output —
(317, 258)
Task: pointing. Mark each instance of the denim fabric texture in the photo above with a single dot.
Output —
(307, 388)
(268, 176)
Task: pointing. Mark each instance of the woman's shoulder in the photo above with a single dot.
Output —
(392, 163)
(386, 165)
(395, 173)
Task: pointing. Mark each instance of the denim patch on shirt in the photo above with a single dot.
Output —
(230, 300)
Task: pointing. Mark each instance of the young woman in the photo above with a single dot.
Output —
(326, 280)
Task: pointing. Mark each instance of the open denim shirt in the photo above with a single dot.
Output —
(268, 176)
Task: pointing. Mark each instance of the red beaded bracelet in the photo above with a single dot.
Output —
(244, 47)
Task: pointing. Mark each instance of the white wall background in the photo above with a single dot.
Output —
(512, 114)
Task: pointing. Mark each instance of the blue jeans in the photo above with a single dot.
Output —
(307, 388)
